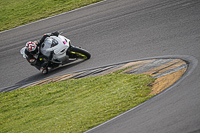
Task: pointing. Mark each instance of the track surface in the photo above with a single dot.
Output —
(116, 31)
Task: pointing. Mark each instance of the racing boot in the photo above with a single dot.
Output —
(44, 70)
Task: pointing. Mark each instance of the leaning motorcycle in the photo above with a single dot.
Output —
(63, 51)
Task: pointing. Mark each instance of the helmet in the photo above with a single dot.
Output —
(31, 47)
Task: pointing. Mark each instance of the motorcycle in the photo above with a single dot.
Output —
(63, 51)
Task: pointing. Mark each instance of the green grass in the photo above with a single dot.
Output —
(14, 13)
(71, 106)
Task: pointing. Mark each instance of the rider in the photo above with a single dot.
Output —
(32, 53)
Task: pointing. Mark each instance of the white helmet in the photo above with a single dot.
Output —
(31, 47)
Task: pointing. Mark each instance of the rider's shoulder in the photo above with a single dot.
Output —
(47, 34)
(56, 33)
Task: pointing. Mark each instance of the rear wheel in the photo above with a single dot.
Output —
(79, 53)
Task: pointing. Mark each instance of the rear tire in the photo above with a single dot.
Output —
(79, 53)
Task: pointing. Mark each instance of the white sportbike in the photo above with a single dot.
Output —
(63, 51)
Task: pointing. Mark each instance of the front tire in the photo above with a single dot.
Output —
(79, 53)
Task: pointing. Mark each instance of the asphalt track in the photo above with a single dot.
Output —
(116, 31)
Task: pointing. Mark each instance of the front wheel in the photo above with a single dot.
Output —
(79, 53)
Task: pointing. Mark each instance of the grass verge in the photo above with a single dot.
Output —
(74, 105)
(14, 13)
